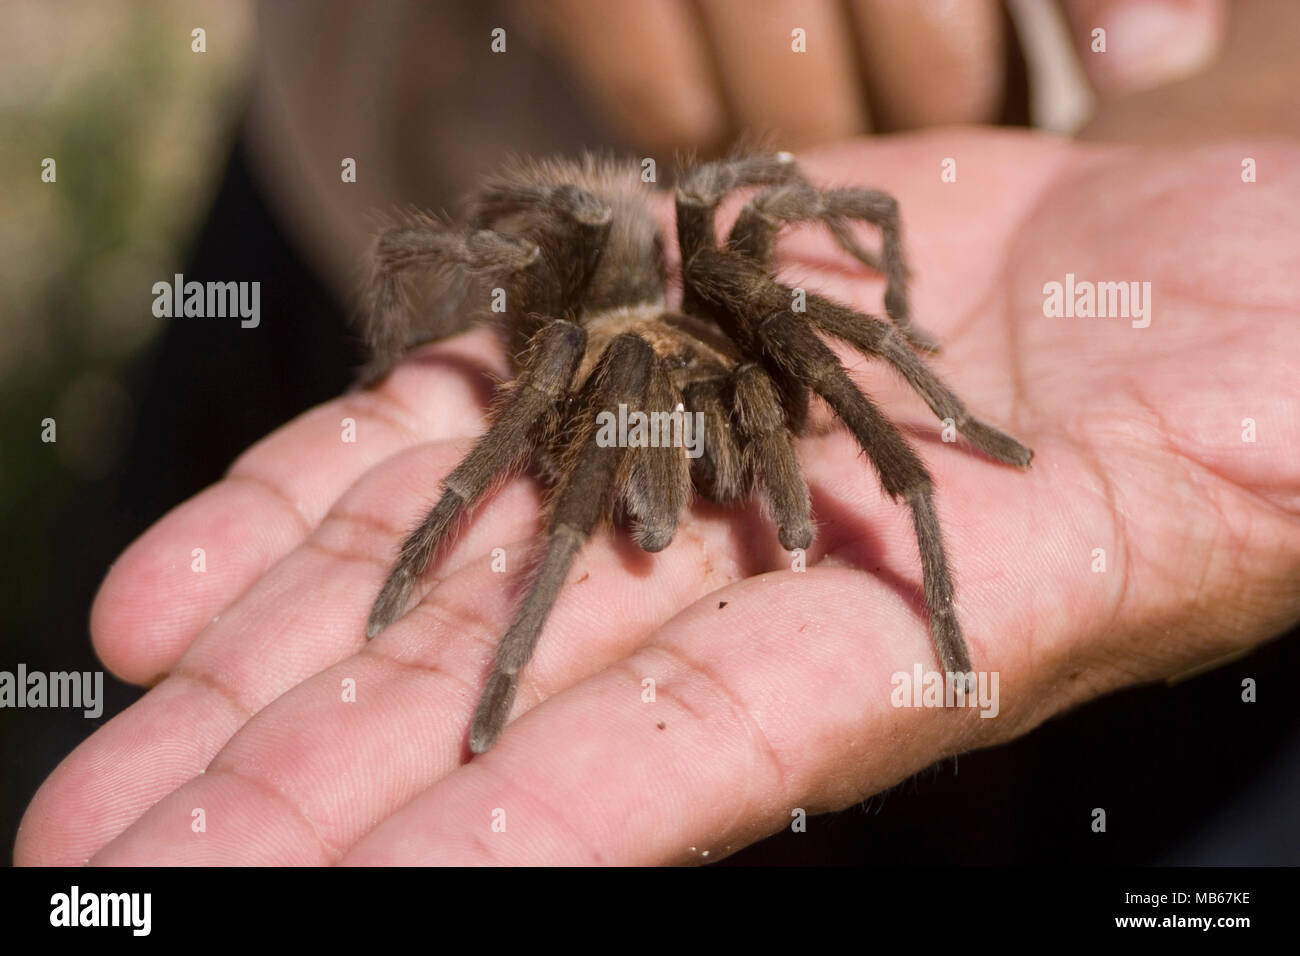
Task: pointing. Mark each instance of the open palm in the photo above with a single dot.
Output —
(1150, 536)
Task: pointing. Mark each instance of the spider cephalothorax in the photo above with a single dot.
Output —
(577, 254)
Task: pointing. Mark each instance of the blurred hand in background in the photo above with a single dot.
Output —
(671, 74)
(414, 93)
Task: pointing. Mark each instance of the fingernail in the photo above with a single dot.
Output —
(1149, 43)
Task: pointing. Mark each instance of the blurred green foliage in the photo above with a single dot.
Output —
(139, 126)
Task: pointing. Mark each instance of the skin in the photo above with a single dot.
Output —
(780, 699)
(668, 73)
(663, 75)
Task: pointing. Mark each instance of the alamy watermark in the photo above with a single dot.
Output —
(209, 300)
(1082, 299)
(75, 908)
(936, 689)
(82, 690)
(676, 429)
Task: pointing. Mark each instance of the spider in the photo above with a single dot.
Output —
(581, 262)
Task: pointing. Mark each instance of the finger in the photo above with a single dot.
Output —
(786, 708)
(341, 767)
(1147, 42)
(190, 566)
(732, 743)
(779, 699)
(305, 614)
(644, 64)
(932, 62)
(787, 69)
(344, 769)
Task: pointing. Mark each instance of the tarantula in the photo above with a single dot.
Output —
(581, 261)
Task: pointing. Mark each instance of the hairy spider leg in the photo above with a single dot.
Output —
(527, 416)
(755, 229)
(623, 374)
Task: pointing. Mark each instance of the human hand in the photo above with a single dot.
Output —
(671, 74)
(780, 699)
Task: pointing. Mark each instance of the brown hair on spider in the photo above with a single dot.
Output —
(581, 260)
